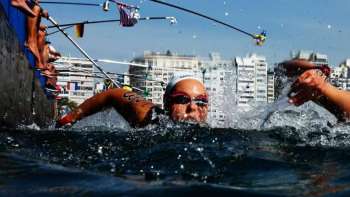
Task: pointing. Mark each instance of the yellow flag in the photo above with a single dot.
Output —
(79, 30)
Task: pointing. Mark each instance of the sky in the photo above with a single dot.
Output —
(291, 25)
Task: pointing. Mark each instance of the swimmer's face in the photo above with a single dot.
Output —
(189, 101)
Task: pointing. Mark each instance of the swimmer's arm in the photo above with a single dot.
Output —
(135, 109)
(336, 101)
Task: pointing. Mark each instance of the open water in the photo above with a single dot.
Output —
(283, 151)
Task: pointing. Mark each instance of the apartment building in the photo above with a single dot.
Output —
(340, 75)
(160, 68)
(270, 86)
(219, 77)
(251, 81)
(76, 78)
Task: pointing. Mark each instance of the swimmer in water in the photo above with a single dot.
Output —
(312, 85)
(185, 99)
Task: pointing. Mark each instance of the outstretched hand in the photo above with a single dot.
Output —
(66, 120)
(308, 86)
(297, 66)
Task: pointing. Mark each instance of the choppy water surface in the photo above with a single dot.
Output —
(292, 152)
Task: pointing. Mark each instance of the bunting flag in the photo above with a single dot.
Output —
(260, 38)
(72, 86)
(128, 16)
(79, 30)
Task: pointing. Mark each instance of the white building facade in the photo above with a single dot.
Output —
(251, 81)
(160, 68)
(340, 75)
(75, 78)
(270, 87)
(220, 82)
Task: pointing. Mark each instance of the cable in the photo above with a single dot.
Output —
(107, 21)
(51, 33)
(204, 16)
(70, 3)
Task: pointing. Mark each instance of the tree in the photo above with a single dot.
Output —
(66, 104)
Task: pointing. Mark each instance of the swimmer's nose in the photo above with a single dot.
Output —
(191, 117)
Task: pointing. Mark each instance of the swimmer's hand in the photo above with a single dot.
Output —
(66, 120)
(297, 66)
(309, 86)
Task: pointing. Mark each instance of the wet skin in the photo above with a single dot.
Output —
(33, 25)
(22, 5)
(189, 111)
(136, 110)
(312, 84)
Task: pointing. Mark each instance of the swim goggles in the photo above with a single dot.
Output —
(182, 98)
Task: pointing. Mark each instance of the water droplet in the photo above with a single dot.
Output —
(9, 139)
(329, 26)
(99, 151)
(199, 149)
(182, 166)
(179, 157)
(226, 13)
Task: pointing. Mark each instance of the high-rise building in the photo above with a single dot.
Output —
(340, 76)
(160, 68)
(251, 81)
(75, 78)
(270, 87)
(220, 81)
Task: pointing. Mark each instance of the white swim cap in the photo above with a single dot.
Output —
(176, 78)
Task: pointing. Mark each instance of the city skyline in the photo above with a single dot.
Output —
(291, 26)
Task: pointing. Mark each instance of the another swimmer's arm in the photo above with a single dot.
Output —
(335, 100)
(131, 106)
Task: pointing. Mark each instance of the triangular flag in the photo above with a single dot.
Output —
(79, 30)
